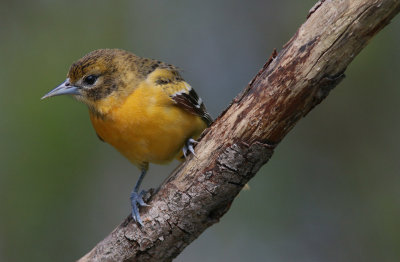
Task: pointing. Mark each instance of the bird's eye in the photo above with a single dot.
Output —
(90, 80)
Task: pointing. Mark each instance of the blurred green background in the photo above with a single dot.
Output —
(331, 192)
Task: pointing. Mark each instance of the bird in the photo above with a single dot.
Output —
(140, 106)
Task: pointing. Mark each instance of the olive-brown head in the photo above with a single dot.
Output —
(101, 79)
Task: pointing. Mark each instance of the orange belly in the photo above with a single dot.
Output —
(148, 127)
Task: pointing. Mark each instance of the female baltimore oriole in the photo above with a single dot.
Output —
(142, 107)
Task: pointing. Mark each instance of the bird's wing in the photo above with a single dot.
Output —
(169, 79)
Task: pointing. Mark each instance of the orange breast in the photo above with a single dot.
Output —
(148, 127)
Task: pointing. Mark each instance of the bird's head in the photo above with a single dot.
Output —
(100, 79)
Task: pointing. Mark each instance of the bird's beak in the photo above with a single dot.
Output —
(64, 89)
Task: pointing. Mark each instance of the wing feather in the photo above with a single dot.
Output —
(169, 79)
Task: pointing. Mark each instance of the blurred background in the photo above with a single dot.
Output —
(331, 192)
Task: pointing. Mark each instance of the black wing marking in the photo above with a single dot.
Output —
(169, 79)
(192, 103)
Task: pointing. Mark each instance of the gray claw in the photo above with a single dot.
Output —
(136, 202)
(188, 147)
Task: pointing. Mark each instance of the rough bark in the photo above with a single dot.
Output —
(241, 140)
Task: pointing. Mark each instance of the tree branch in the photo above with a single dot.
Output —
(242, 139)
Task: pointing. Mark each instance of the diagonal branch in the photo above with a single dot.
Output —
(243, 137)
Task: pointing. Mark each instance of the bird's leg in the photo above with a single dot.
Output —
(137, 198)
(188, 147)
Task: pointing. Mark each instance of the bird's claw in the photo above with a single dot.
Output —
(136, 202)
(188, 147)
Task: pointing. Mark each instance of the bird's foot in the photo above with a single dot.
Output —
(188, 147)
(136, 202)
